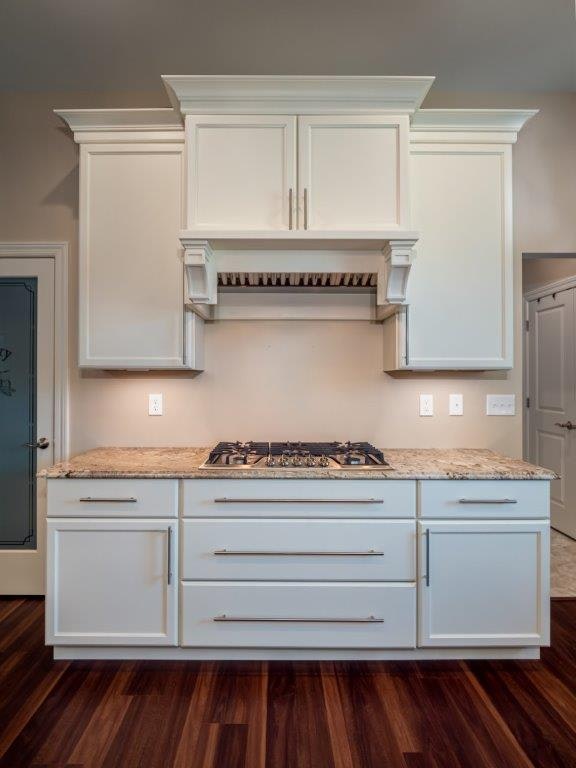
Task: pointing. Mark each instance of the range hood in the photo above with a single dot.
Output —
(361, 277)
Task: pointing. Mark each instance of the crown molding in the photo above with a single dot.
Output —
(302, 95)
(479, 120)
(84, 122)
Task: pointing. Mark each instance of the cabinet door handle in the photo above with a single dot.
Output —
(565, 425)
(427, 577)
(487, 501)
(306, 553)
(108, 500)
(302, 619)
(305, 208)
(290, 208)
(169, 556)
(225, 500)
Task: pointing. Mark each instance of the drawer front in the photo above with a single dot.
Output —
(485, 499)
(298, 615)
(325, 550)
(112, 498)
(299, 498)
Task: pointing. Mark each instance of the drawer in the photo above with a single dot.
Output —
(485, 499)
(299, 498)
(112, 498)
(298, 615)
(324, 550)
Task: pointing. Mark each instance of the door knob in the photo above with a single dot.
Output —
(42, 443)
(565, 425)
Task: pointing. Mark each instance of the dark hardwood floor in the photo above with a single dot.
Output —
(282, 715)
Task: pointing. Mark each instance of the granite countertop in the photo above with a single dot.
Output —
(405, 464)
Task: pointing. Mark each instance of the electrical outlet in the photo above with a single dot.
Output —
(500, 405)
(426, 405)
(456, 405)
(154, 405)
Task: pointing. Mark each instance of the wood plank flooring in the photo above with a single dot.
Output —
(282, 715)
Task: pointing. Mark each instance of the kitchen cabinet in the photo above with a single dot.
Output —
(131, 268)
(459, 312)
(242, 172)
(483, 583)
(112, 582)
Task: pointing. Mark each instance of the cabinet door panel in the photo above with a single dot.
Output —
(111, 582)
(131, 271)
(483, 584)
(460, 287)
(241, 168)
(353, 171)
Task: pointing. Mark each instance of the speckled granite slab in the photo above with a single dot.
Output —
(405, 464)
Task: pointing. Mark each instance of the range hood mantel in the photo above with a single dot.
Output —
(323, 255)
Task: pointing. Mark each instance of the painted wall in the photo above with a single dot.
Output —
(281, 380)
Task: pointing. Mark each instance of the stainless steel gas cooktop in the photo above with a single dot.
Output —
(295, 454)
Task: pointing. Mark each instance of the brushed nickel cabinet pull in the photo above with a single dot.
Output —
(306, 553)
(301, 619)
(305, 208)
(427, 577)
(108, 500)
(169, 556)
(225, 500)
(487, 501)
(290, 207)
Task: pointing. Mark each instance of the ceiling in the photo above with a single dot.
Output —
(104, 45)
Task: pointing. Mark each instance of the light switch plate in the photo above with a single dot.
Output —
(426, 405)
(456, 405)
(155, 405)
(500, 405)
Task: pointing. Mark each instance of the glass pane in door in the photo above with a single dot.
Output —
(17, 412)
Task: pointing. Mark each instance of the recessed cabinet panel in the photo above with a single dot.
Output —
(353, 172)
(483, 583)
(241, 170)
(460, 287)
(131, 270)
(111, 582)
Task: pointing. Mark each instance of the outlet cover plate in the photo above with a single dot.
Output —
(500, 405)
(426, 405)
(456, 405)
(155, 405)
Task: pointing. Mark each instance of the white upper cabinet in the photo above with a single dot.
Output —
(131, 271)
(352, 172)
(241, 171)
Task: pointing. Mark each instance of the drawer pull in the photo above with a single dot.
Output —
(298, 501)
(120, 500)
(301, 620)
(307, 553)
(487, 501)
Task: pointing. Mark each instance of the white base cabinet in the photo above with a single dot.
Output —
(112, 582)
(483, 583)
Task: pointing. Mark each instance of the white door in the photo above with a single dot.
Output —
(27, 415)
(352, 172)
(483, 583)
(241, 171)
(112, 582)
(552, 389)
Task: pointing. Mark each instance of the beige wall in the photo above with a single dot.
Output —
(537, 272)
(297, 380)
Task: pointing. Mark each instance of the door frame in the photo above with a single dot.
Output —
(58, 252)
(536, 293)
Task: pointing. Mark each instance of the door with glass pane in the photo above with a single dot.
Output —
(26, 418)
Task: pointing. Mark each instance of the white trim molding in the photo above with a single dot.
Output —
(123, 125)
(200, 270)
(295, 94)
(548, 288)
(469, 125)
(58, 252)
(393, 275)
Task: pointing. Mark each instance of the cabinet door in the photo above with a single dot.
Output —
(131, 270)
(241, 169)
(353, 172)
(460, 313)
(111, 582)
(483, 583)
